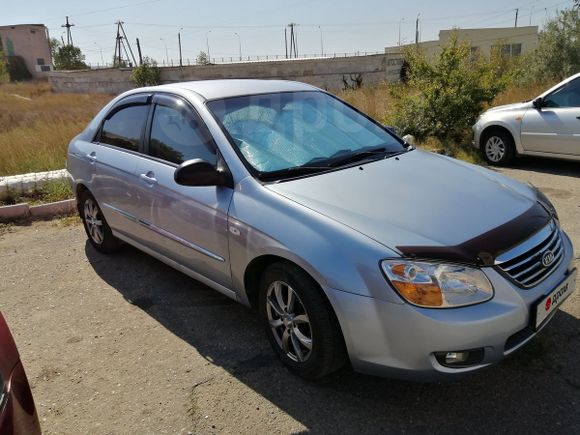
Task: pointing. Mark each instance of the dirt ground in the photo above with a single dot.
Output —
(125, 344)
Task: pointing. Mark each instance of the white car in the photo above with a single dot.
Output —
(548, 126)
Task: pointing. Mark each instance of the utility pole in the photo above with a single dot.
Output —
(239, 44)
(69, 40)
(531, 13)
(286, 40)
(400, 22)
(293, 40)
(417, 29)
(179, 42)
(121, 45)
(321, 42)
(207, 45)
(516, 22)
(139, 51)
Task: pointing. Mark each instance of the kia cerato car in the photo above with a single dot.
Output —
(352, 245)
(17, 411)
(547, 126)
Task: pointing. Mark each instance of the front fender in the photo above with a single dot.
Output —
(334, 255)
(511, 122)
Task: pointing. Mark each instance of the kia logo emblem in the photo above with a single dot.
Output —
(547, 258)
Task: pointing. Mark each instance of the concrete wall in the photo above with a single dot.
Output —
(324, 73)
(482, 40)
(29, 41)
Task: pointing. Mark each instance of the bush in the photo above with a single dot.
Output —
(147, 74)
(444, 96)
(4, 77)
(17, 69)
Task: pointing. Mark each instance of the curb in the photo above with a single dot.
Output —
(41, 211)
(19, 184)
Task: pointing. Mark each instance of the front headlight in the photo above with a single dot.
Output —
(437, 285)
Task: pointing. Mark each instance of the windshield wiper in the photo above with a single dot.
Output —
(293, 171)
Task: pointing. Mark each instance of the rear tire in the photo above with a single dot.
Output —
(299, 323)
(98, 231)
(498, 148)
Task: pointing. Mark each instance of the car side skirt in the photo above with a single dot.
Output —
(178, 266)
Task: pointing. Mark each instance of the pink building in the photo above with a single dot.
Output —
(29, 41)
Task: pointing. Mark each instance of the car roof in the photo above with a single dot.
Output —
(217, 89)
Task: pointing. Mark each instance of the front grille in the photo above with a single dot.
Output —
(524, 264)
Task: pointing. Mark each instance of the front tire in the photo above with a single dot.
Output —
(299, 323)
(498, 148)
(98, 231)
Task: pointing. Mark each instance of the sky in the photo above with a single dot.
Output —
(257, 27)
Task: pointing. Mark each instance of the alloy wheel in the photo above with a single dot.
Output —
(289, 321)
(495, 149)
(93, 221)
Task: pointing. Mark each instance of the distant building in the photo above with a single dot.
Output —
(512, 41)
(29, 41)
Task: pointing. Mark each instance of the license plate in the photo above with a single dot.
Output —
(550, 303)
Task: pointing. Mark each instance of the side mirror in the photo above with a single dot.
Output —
(198, 172)
(538, 103)
(410, 141)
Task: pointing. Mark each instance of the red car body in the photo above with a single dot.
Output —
(17, 411)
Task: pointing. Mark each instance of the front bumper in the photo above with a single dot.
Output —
(17, 411)
(400, 340)
(477, 129)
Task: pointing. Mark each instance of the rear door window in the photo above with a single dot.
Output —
(124, 128)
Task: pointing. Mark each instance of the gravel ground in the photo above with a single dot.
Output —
(124, 344)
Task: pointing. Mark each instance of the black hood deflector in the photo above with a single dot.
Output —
(484, 249)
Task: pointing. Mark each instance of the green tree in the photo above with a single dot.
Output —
(69, 57)
(54, 45)
(202, 58)
(558, 53)
(444, 95)
(147, 74)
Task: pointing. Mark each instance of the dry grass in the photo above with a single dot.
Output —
(516, 94)
(36, 125)
(375, 101)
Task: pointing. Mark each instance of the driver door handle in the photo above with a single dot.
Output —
(149, 178)
(92, 157)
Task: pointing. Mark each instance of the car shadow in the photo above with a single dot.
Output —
(534, 391)
(547, 166)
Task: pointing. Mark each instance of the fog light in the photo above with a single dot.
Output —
(456, 357)
(460, 358)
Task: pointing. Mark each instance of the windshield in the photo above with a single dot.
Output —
(283, 132)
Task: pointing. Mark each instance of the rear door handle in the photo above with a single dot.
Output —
(149, 178)
(92, 157)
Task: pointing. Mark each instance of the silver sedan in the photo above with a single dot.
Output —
(353, 246)
(548, 126)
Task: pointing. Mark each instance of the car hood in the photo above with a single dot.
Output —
(510, 107)
(423, 203)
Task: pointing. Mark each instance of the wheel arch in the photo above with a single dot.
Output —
(253, 274)
(79, 189)
(498, 126)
